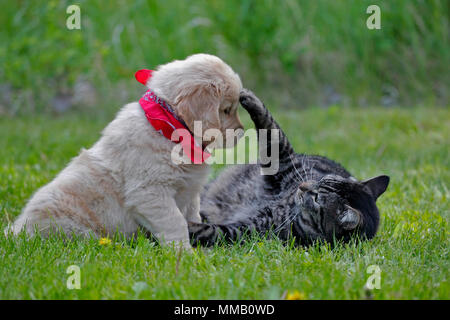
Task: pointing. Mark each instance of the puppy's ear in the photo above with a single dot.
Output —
(200, 103)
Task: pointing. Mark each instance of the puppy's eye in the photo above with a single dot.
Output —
(227, 110)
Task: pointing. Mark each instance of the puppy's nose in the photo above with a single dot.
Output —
(239, 132)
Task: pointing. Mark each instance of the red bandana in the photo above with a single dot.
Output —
(161, 116)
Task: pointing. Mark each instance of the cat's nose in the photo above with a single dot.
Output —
(306, 186)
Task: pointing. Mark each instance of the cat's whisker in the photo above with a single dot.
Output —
(303, 167)
(288, 220)
(311, 171)
(296, 170)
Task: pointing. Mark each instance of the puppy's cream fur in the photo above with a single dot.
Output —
(127, 179)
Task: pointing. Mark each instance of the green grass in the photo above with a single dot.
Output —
(411, 247)
(315, 52)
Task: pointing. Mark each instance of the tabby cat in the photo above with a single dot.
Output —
(310, 197)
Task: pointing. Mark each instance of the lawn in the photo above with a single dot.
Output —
(411, 247)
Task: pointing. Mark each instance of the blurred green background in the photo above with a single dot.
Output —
(293, 54)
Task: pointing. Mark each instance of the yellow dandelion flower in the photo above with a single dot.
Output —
(295, 295)
(104, 241)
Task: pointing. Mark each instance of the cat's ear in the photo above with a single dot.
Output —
(377, 185)
(350, 218)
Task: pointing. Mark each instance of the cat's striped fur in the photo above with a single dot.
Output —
(309, 198)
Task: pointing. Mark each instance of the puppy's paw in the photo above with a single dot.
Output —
(249, 101)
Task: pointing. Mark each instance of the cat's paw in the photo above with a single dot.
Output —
(249, 101)
(195, 227)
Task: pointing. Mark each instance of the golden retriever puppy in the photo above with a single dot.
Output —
(128, 179)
